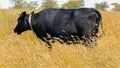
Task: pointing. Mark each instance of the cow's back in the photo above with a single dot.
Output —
(66, 21)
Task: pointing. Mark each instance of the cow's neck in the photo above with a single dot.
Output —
(30, 22)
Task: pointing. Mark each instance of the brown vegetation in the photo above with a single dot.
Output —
(26, 51)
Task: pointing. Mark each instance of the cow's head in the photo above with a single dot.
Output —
(23, 24)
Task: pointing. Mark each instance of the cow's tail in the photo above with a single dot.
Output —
(99, 21)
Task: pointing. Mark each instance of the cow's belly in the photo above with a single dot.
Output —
(63, 31)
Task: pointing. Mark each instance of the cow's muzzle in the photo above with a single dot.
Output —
(17, 31)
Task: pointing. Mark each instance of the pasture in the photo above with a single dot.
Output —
(27, 51)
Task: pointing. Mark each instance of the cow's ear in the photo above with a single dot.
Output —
(32, 12)
(23, 14)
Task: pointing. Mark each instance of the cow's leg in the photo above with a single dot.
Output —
(61, 39)
(49, 45)
(87, 38)
(43, 37)
(57, 39)
(65, 39)
(78, 39)
(71, 39)
(75, 39)
(94, 37)
(90, 40)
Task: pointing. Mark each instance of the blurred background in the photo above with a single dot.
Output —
(106, 5)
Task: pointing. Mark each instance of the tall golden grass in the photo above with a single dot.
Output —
(26, 51)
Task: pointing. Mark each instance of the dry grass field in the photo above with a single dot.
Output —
(26, 51)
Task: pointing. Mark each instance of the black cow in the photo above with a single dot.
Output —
(82, 24)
